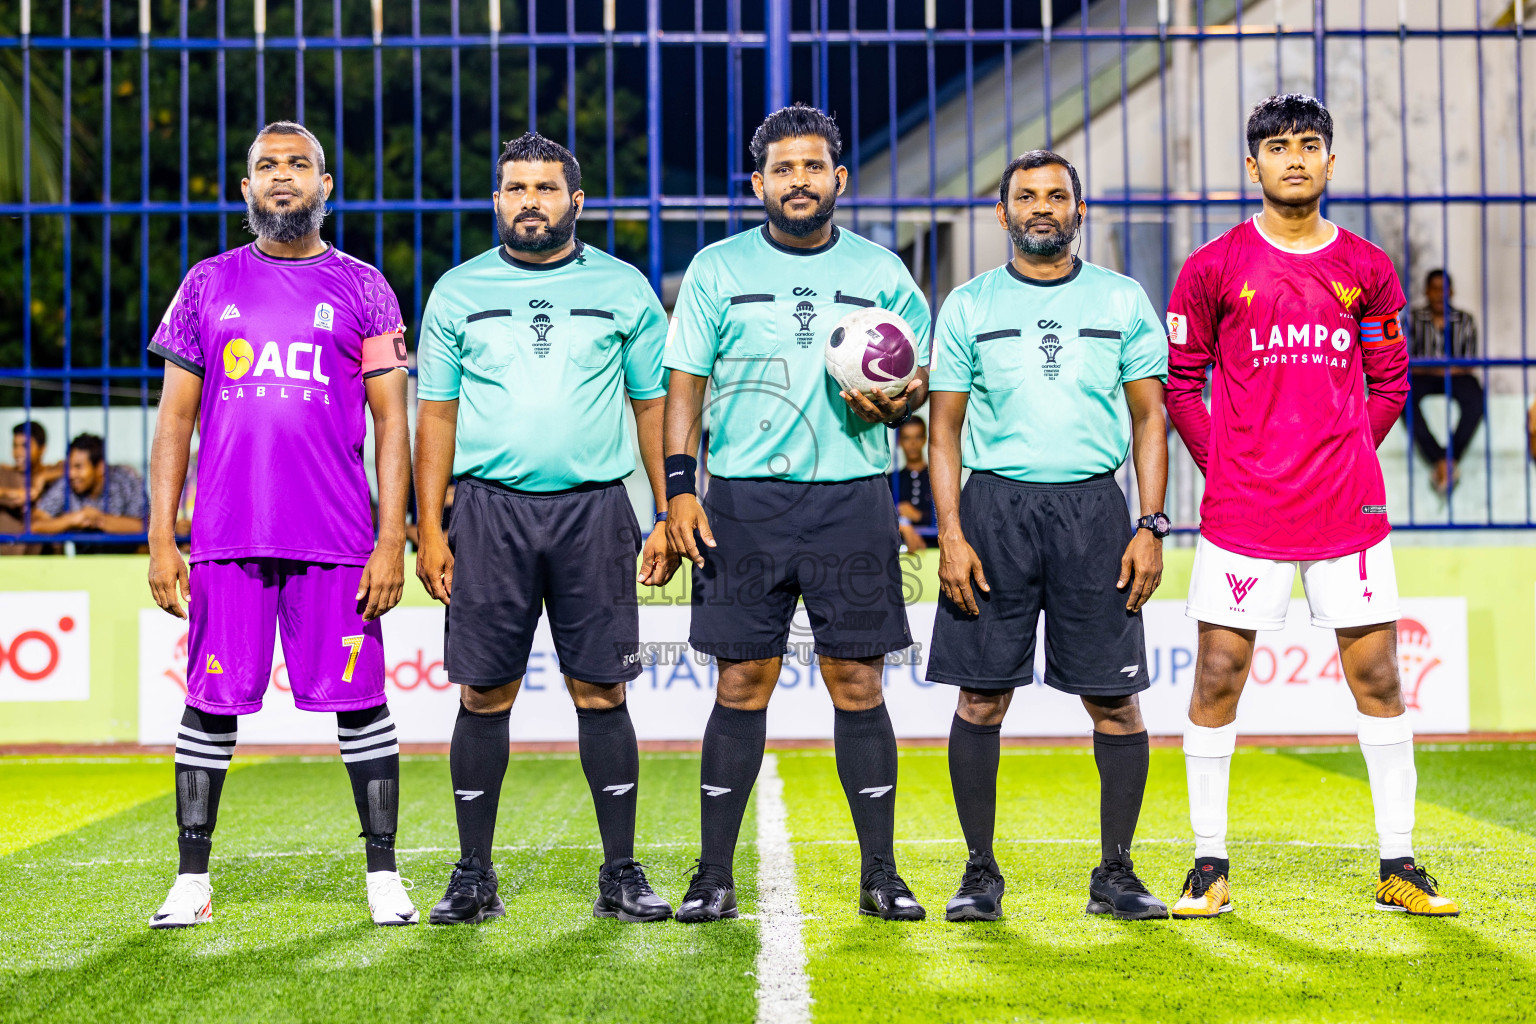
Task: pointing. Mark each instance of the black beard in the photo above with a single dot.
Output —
(552, 237)
(800, 227)
(1048, 245)
(289, 225)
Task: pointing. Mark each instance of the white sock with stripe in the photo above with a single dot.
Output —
(1387, 744)
(1207, 766)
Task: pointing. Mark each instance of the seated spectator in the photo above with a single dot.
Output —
(914, 498)
(1438, 330)
(101, 498)
(28, 442)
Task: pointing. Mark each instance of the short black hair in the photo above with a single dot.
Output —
(33, 429)
(1038, 158)
(1293, 113)
(284, 128)
(795, 122)
(539, 149)
(92, 445)
(1437, 272)
(914, 419)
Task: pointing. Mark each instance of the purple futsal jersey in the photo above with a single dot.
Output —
(283, 347)
(283, 522)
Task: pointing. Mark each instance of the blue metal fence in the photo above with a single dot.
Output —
(1148, 97)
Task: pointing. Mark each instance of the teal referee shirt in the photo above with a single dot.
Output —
(1045, 364)
(753, 316)
(540, 357)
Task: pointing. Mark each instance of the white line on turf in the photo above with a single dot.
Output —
(783, 994)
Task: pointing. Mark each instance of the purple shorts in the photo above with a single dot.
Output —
(335, 660)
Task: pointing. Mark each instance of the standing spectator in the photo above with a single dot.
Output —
(914, 499)
(28, 441)
(109, 499)
(1438, 330)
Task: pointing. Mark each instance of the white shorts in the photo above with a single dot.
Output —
(1228, 589)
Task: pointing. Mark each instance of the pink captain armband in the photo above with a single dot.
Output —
(384, 352)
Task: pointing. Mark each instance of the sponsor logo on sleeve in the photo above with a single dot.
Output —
(1374, 510)
(1177, 326)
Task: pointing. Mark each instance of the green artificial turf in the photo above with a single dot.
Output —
(1304, 942)
(92, 851)
(291, 938)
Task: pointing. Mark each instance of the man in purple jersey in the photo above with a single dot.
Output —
(272, 350)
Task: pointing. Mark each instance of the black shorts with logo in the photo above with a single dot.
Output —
(573, 553)
(1050, 547)
(834, 544)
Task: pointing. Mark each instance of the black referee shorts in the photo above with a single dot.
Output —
(1051, 547)
(572, 553)
(834, 544)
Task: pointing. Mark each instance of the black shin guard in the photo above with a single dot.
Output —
(205, 744)
(371, 752)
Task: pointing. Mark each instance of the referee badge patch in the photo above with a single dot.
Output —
(1176, 327)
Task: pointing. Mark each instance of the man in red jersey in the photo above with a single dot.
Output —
(1297, 315)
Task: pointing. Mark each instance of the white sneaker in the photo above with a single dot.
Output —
(189, 902)
(388, 899)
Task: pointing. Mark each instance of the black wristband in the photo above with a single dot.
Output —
(681, 473)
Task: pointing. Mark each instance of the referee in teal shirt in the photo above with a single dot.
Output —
(1053, 366)
(527, 354)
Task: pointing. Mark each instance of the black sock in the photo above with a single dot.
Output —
(205, 744)
(974, 751)
(371, 752)
(865, 745)
(732, 756)
(610, 757)
(477, 762)
(1122, 762)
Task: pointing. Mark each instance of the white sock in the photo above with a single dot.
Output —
(1387, 744)
(1207, 765)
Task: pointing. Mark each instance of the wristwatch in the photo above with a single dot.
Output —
(1160, 525)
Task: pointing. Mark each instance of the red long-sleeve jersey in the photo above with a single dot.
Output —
(1288, 446)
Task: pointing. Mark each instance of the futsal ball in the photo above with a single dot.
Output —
(872, 348)
(237, 358)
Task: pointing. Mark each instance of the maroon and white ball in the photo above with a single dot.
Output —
(872, 348)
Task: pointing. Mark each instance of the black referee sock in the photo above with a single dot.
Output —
(1122, 762)
(974, 752)
(205, 744)
(610, 757)
(865, 745)
(371, 751)
(477, 762)
(732, 756)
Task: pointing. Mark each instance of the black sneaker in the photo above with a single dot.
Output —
(711, 895)
(623, 892)
(883, 894)
(981, 893)
(1113, 888)
(471, 895)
